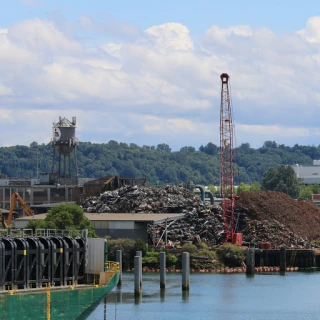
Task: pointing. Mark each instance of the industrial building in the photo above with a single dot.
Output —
(309, 174)
(118, 225)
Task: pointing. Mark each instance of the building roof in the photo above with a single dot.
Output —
(51, 205)
(137, 217)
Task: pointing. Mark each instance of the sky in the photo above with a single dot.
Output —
(148, 72)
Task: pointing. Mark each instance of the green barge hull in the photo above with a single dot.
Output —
(68, 302)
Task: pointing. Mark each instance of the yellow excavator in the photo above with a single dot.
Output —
(15, 197)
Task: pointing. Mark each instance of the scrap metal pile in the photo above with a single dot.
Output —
(133, 199)
(263, 216)
(200, 219)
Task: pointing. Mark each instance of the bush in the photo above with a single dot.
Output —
(151, 259)
(188, 247)
(126, 246)
(231, 255)
(139, 245)
(171, 260)
(203, 245)
(208, 253)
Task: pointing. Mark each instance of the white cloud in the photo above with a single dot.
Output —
(42, 37)
(158, 83)
(4, 91)
(311, 32)
(172, 35)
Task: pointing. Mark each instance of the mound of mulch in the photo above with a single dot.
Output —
(301, 217)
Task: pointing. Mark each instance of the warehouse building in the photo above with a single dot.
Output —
(118, 225)
(309, 174)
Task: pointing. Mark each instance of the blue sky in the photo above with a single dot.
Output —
(280, 16)
(147, 72)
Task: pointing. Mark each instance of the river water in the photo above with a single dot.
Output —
(293, 296)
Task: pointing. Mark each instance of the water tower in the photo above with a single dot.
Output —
(64, 145)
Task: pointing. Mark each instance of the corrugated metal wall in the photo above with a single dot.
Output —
(95, 255)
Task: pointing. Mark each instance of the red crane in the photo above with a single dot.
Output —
(227, 164)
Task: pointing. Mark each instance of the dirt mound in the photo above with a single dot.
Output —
(301, 217)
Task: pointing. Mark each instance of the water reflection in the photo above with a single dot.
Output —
(119, 296)
(162, 295)
(185, 295)
(137, 298)
(226, 297)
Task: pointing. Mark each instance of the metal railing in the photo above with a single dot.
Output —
(112, 266)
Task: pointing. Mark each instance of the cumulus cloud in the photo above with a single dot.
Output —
(311, 32)
(170, 36)
(159, 85)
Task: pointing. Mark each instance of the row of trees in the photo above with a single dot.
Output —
(159, 164)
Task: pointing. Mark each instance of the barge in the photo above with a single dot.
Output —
(53, 276)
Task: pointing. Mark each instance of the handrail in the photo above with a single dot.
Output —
(112, 266)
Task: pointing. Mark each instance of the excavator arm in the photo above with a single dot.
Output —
(15, 197)
(3, 221)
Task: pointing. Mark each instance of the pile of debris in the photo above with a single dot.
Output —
(264, 216)
(133, 199)
(276, 217)
(200, 218)
(272, 231)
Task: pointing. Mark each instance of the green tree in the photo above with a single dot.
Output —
(243, 187)
(126, 246)
(283, 179)
(315, 188)
(255, 186)
(65, 217)
(305, 192)
(231, 255)
(139, 245)
(212, 188)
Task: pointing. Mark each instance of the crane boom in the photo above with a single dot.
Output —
(15, 197)
(227, 163)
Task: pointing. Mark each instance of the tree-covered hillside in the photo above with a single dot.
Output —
(158, 163)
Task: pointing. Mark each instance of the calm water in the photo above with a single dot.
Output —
(217, 296)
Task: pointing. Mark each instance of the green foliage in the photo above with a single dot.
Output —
(256, 186)
(171, 260)
(64, 217)
(188, 247)
(207, 253)
(231, 255)
(126, 246)
(203, 245)
(243, 187)
(305, 192)
(36, 224)
(212, 188)
(151, 259)
(158, 163)
(140, 245)
(283, 179)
